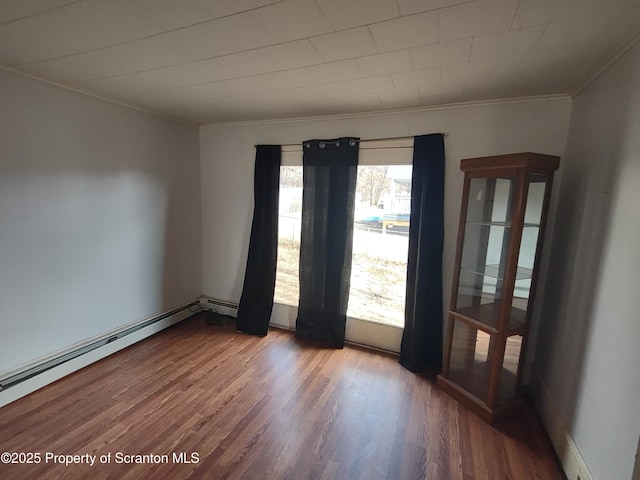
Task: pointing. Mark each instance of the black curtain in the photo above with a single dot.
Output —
(421, 348)
(328, 202)
(256, 302)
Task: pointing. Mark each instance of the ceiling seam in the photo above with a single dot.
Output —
(546, 28)
(246, 76)
(333, 29)
(216, 57)
(165, 32)
(306, 67)
(59, 7)
(276, 43)
(515, 15)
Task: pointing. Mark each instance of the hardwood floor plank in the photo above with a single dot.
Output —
(263, 408)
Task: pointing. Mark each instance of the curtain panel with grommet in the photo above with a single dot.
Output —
(421, 348)
(328, 203)
(256, 302)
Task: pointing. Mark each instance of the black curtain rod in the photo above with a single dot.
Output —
(333, 142)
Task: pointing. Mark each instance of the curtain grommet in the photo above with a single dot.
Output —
(322, 145)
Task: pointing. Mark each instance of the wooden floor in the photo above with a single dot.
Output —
(261, 408)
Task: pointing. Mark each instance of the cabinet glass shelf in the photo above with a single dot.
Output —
(502, 224)
(493, 271)
(486, 317)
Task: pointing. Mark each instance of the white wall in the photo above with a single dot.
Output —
(636, 468)
(99, 218)
(227, 160)
(588, 355)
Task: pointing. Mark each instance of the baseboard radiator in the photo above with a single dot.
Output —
(220, 306)
(17, 379)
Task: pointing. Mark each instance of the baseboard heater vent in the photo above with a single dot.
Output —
(54, 362)
(222, 303)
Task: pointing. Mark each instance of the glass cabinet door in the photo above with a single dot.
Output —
(537, 186)
(485, 246)
(487, 233)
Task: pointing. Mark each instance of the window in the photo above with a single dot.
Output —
(289, 224)
(380, 238)
(380, 244)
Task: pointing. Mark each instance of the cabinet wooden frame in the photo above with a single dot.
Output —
(494, 315)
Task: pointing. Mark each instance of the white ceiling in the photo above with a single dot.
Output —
(209, 61)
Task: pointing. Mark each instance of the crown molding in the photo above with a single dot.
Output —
(107, 99)
(377, 113)
(628, 45)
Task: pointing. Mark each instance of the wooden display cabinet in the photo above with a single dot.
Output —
(504, 210)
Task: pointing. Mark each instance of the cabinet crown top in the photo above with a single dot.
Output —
(537, 161)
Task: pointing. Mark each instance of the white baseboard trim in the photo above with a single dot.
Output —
(572, 461)
(40, 380)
